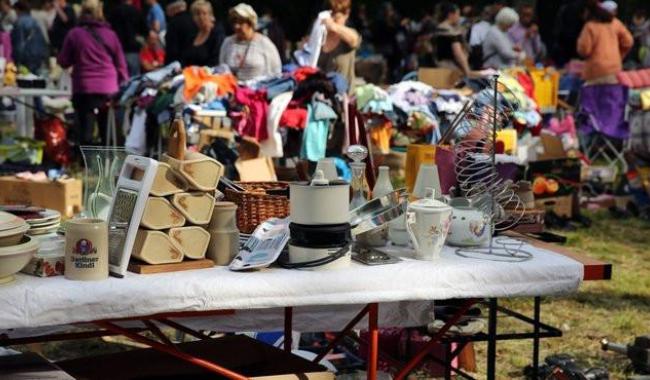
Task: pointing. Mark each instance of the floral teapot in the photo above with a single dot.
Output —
(470, 226)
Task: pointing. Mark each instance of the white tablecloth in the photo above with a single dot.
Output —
(32, 302)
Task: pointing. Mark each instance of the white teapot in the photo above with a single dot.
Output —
(427, 222)
(470, 226)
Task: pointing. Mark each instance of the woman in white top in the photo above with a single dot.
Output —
(248, 54)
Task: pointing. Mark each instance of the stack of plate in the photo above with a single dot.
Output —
(44, 222)
(12, 229)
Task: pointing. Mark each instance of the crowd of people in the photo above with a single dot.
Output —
(105, 45)
(500, 36)
(447, 35)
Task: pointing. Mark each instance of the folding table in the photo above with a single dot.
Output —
(36, 309)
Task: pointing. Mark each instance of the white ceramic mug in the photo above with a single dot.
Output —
(428, 228)
(86, 250)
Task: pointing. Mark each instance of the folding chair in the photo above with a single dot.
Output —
(601, 124)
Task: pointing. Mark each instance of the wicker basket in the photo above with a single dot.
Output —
(254, 207)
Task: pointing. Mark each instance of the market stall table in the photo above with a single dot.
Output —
(25, 105)
(32, 305)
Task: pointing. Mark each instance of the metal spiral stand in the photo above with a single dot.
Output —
(478, 179)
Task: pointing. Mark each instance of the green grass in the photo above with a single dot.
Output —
(618, 309)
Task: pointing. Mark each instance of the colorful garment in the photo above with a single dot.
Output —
(253, 122)
(197, 77)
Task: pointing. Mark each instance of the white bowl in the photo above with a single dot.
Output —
(10, 238)
(14, 258)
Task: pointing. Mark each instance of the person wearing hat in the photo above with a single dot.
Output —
(610, 6)
(249, 54)
(603, 43)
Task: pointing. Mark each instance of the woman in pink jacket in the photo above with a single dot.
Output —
(95, 54)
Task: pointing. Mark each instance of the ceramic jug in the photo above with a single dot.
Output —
(224, 235)
(427, 222)
(470, 226)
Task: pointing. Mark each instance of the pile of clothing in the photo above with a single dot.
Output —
(418, 112)
(298, 109)
(518, 90)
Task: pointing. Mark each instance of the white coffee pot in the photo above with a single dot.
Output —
(427, 222)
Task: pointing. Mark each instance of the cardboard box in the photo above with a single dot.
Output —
(562, 206)
(238, 353)
(256, 170)
(439, 78)
(553, 148)
(65, 196)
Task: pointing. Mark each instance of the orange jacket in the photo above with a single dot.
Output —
(603, 45)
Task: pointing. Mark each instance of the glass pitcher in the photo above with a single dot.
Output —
(102, 166)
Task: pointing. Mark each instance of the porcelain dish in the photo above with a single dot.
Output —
(14, 258)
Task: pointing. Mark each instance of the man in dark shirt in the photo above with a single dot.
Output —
(181, 30)
(128, 24)
(64, 20)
